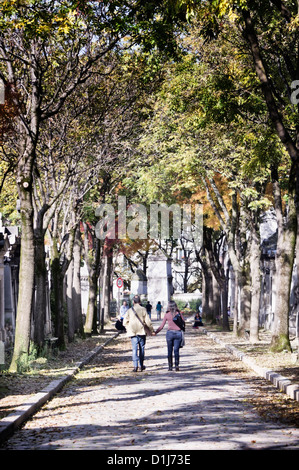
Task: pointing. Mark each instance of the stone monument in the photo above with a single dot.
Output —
(139, 283)
(159, 279)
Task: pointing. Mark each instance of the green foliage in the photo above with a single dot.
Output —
(24, 361)
(181, 304)
(194, 304)
(202, 125)
(39, 19)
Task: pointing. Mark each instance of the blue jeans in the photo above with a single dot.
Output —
(173, 338)
(138, 345)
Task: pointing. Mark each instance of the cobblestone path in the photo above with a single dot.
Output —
(107, 406)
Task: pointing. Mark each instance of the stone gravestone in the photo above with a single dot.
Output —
(159, 279)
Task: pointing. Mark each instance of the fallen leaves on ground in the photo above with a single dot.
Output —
(270, 403)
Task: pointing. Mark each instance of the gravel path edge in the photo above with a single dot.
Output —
(282, 383)
(14, 420)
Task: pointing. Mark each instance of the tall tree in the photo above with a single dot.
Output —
(271, 37)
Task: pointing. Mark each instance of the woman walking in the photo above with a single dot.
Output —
(173, 335)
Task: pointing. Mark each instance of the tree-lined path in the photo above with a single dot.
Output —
(206, 405)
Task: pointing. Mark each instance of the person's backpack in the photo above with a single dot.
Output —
(179, 321)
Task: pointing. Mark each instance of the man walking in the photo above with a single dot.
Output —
(134, 321)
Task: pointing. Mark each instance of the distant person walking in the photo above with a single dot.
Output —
(173, 335)
(134, 321)
(158, 310)
(149, 309)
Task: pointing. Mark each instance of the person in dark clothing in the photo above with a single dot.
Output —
(149, 309)
(197, 321)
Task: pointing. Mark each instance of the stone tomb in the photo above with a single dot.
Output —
(159, 279)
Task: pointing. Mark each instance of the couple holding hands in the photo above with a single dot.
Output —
(138, 323)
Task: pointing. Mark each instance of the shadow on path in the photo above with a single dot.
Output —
(109, 407)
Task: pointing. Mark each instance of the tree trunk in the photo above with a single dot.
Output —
(284, 262)
(69, 302)
(216, 301)
(91, 307)
(26, 280)
(77, 306)
(26, 270)
(283, 276)
(62, 255)
(208, 310)
(205, 298)
(236, 304)
(57, 295)
(40, 291)
(92, 262)
(245, 301)
(255, 257)
(280, 335)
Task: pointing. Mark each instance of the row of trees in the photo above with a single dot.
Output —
(225, 132)
(94, 109)
(76, 92)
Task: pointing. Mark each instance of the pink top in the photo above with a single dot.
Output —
(171, 325)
